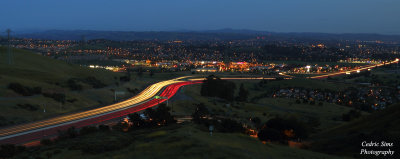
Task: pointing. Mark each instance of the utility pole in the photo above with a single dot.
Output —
(44, 112)
(10, 58)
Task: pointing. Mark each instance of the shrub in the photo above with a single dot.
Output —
(45, 142)
(120, 126)
(215, 87)
(160, 116)
(124, 78)
(59, 97)
(104, 128)
(288, 128)
(3, 121)
(243, 93)
(29, 107)
(132, 91)
(23, 90)
(72, 100)
(95, 83)
(230, 126)
(256, 120)
(69, 133)
(73, 85)
(87, 130)
(137, 121)
(200, 113)
(269, 134)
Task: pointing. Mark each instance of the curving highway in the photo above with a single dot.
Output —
(145, 99)
(145, 96)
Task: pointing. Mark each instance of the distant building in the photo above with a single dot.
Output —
(205, 70)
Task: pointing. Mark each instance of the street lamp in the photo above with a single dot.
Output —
(308, 68)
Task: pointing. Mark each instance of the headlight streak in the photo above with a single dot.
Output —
(146, 94)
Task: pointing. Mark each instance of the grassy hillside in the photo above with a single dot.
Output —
(176, 141)
(346, 139)
(31, 66)
(32, 70)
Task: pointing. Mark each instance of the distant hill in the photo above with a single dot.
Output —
(222, 34)
(346, 139)
(130, 35)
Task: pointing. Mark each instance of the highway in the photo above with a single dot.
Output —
(145, 99)
(363, 68)
(52, 131)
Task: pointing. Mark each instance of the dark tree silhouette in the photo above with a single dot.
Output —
(137, 121)
(289, 129)
(243, 93)
(200, 113)
(215, 87)
(269, 134)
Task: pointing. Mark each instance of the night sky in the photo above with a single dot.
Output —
(330, 16)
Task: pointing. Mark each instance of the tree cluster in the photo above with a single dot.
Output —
(30, 107)
(74, 85)
(215, 87)
(201, 113)
(59, 97)
(202, 116)
(281, 130)
(243, 94)
(152, 118)
(94, 82)
(24, 90)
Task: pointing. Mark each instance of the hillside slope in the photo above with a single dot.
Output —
(30, 70)
(175, 141)
(347, 139)
(32, 66)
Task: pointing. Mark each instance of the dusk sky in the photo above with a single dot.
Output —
(330, 16)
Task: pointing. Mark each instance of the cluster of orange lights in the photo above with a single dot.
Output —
(252, 133)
